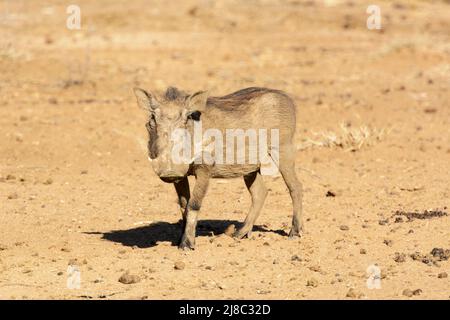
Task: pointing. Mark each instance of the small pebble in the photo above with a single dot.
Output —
(352, 293)
(312, 283)
(399, 257)
(229, 231)
(295, 258)
(408, 293)
(387, 242)
(128, 278)
(179, 265)
(13, 196)
(417, 292)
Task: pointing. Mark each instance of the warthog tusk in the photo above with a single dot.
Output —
(149, 159)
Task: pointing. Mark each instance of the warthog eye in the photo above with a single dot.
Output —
(194, 115)
(152, 135)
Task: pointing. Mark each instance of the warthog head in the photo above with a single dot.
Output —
(169, 117)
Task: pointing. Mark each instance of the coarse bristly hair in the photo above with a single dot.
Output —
(173, 94)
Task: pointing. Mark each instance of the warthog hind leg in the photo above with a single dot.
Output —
(287, 169)
(258, 192)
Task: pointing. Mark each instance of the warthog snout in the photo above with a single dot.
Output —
(167, 170)
(170, 176)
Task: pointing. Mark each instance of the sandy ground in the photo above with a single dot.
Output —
(76, 187)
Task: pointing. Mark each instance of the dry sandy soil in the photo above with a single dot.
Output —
(76, 187)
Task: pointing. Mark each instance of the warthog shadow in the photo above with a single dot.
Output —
(149, 236)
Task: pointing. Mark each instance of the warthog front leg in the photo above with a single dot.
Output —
(258, 191)
(183, 192)
(201, 185)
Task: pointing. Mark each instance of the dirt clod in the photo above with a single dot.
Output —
(179, 265)
(408, 292)
(13, 196)
(410, 216)
(352, 293)
(399, 257)
(417, 292)
(296, 258)
(312, 283)
(229, 231)
(433, 258)
(128, 278)
(388, 242)
(330, 194)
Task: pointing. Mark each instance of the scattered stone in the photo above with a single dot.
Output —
(344, 228)
(398, 220)
(179, 265)
(440, 253)
(408, 293)
(352, 293)
(73, 262)
(427, 214)
(229, 231)
(417, 292)
(315, 268)
(193, 11)
(362, 251)
(221, 286)
(312, 283)
(48, 181)
(388, 242)
(436, 255)
(296, 258)
(13, 196)
(263, 291)
(442, 275)
(399, 257)
(128, 278)
(331, 193)
(416, 256)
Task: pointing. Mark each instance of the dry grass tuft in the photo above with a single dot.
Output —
(347, 138)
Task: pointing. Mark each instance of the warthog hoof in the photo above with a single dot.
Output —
(295, 233)
(186, 244)
(239, 234)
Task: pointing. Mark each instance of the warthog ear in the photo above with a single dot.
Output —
(197, 101)
(145, 100)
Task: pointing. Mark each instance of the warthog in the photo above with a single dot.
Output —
(247, 109)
